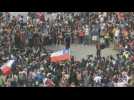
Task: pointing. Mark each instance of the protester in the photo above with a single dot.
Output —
(26, 42)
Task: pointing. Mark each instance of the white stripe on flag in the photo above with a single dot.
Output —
(60, 52)
(8, 64)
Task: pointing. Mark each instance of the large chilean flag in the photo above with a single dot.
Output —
(61, 55)
(7, 67)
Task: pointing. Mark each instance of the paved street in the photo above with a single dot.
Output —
(80, 51)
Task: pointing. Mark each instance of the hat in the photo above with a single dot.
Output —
(42, 68)
(48, 74)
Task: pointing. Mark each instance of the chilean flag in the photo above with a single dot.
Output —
(6, 68)
(60, 55)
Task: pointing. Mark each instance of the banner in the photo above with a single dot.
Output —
(61, 55)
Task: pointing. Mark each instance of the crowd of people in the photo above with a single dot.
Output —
(26, 38)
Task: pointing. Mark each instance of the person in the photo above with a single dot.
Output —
(98, 50)
(86, 38)
(81, 36)
(35, 69)
(60, 38)
(107, 39)
(73, 76)
(8, 16)
(48, 82)
(102, 43)
(116, 36)
(97, 79)
(67, 42)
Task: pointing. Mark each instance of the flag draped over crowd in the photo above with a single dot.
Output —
(61, 55)
(7, 67)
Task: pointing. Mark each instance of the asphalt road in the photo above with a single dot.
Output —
(81, 51)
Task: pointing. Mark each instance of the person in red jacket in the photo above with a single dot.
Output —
(81, 36)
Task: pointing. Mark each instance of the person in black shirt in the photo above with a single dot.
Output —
(98, 52)
(67, 42)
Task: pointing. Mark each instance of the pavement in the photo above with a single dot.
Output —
(81, 51)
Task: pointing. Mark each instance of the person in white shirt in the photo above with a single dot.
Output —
(86, 38)
(117, 32)
(101, 19)
(104, 14)
(116, 38)
(97, 79)
(44, 82)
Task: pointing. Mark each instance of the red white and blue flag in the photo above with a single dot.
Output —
(61, 55)
(7, 67)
